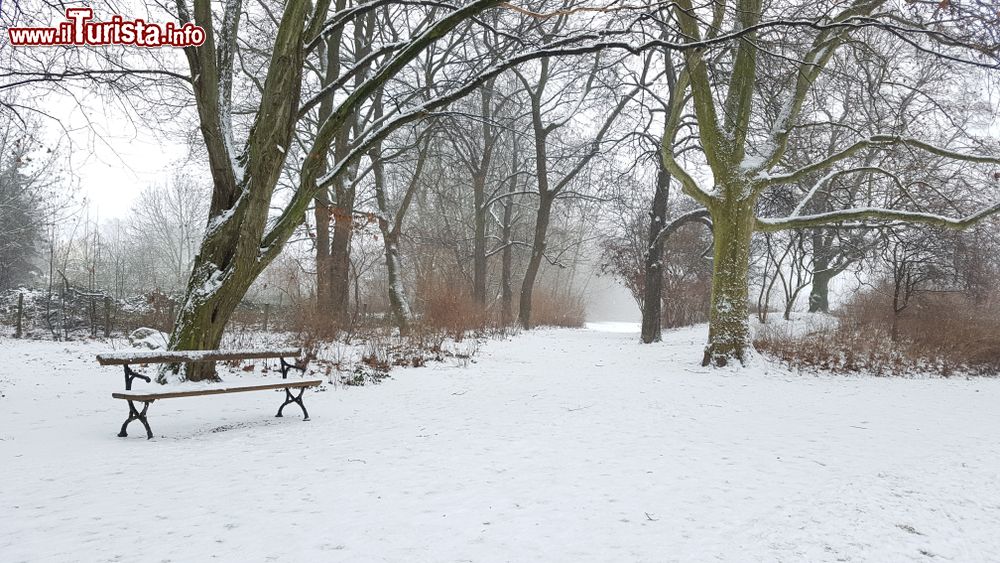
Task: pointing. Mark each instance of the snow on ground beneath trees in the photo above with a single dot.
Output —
(555, 445)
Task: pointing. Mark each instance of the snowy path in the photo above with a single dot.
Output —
(554, 446)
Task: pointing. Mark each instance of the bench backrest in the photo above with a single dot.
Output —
(179, 357)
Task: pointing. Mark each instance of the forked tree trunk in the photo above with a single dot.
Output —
(728, 329)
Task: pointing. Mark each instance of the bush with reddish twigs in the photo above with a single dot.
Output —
(938, 334)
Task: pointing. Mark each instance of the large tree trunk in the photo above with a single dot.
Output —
(340, 257)
(221, 276)
(819, 294)
(323, 265)
(230, 257)
(728, 329)
(652, 299)
(201, 328)
(537, 253)
(323, 213)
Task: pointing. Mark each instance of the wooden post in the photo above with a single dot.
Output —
(20, 314)
(107, 316)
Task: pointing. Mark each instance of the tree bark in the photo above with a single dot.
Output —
(506, 239)
(819, 293)
(397, 296)
(213, 294)
(535, 262)
(323, 209)
(479, 240)
(506, 260)
(340, 256)
(728, 328)
(652, 300)
(323, 265)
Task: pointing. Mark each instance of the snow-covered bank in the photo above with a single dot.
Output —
(556, 445)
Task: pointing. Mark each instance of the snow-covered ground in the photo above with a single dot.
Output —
(556, 445)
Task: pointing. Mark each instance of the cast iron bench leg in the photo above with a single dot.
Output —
(135, 414)
(289, 399)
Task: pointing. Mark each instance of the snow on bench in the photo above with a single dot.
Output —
(184, 356)
(192, 356)
(188, 356)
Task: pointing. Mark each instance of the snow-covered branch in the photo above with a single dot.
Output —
(875, 141)
(698, 215)
(877, 214)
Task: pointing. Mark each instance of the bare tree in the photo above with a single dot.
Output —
(746, 152)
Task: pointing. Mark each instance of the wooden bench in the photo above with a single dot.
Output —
(128, 359)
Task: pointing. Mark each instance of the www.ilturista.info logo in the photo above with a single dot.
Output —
(78, 30)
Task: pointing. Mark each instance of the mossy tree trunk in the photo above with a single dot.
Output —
(728, 329)
(230, 257)
(212, 296)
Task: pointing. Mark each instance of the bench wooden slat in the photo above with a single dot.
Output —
(216, 391)
(183, 356)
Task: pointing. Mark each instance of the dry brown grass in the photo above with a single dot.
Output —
(550, 309)
(448, 305)
(941, 334)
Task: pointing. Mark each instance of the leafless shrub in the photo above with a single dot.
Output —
(448, 306)
(942, 334)
(558, 309)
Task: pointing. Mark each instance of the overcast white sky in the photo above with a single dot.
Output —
(109, 158)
